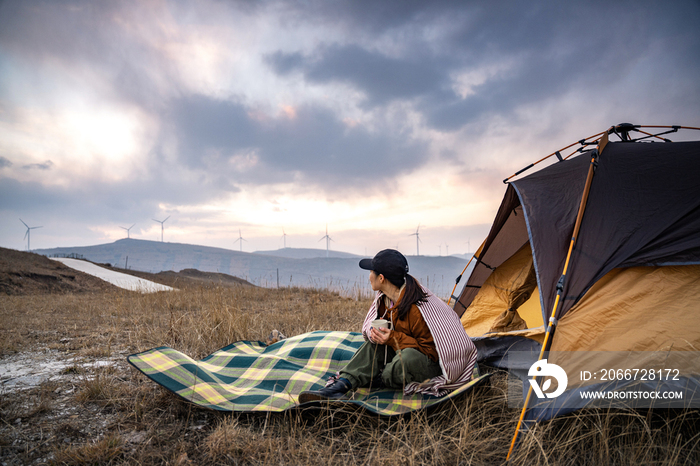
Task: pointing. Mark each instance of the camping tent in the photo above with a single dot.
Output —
(607, 243)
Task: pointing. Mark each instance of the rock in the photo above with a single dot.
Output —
(136, 437)
(275, 336)
(183, 460)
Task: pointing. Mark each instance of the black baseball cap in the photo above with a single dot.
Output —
(388, 262)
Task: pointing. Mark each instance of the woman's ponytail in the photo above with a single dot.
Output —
(413, 294)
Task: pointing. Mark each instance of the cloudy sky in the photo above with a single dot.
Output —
(283, 116)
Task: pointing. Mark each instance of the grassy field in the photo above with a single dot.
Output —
(111, 414)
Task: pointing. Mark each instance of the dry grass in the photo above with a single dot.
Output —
(117, 416)
(103, 451)
(196, 320)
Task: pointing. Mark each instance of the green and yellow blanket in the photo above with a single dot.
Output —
(249, 376)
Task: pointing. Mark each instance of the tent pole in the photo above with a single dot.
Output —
(452, 295)
(593, 140)
(655, 136)
(560, 284)
(679, 127)
(582, 141)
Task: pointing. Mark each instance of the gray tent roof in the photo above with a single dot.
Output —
(643, 209)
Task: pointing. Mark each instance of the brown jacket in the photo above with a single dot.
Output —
(411, 332)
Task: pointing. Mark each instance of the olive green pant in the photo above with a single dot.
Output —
(402, 367)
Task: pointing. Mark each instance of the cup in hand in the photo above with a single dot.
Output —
(380, 323)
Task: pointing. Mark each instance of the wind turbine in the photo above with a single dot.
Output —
(417, 235)
(328, 240)
(27, 235)
(440, 248)
(128, 229)
(240, 240)
(284, 238)
(162, 227)
(447, 249)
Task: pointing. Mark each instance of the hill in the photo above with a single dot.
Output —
(307, 253)
(25, 273)
(263, 269)
(186, 277)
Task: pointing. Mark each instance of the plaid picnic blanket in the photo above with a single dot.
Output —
(249, 376)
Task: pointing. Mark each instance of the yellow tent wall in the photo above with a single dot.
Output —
(629, 309)
(636, 309)
(493, 297)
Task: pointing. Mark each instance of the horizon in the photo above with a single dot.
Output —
(261, 251)
(304, 267)
(279, 118)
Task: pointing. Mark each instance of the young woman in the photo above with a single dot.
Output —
(425, 350)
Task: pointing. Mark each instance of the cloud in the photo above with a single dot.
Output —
(319, 103)
(285, 63)
(416, 51)
(310, 142)
(380, 77)
(105, 48)
(367, 17)
(97, 203)
(47, 165)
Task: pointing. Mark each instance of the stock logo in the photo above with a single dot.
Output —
(542, 368)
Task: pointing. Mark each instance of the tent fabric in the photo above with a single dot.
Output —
(510, 320)
(522, 293)
(550, 200)
(508, 234)
(642, 209)
(572, 400)
(496, 294)
(636, 318)
(636, 309)
(628, 319)
(249, 376)
(633, 280)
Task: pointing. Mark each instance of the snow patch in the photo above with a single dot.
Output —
(122, 280)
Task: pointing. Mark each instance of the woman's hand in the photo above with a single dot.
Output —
(379, 336)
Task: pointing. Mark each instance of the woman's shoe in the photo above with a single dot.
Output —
(335, 391)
